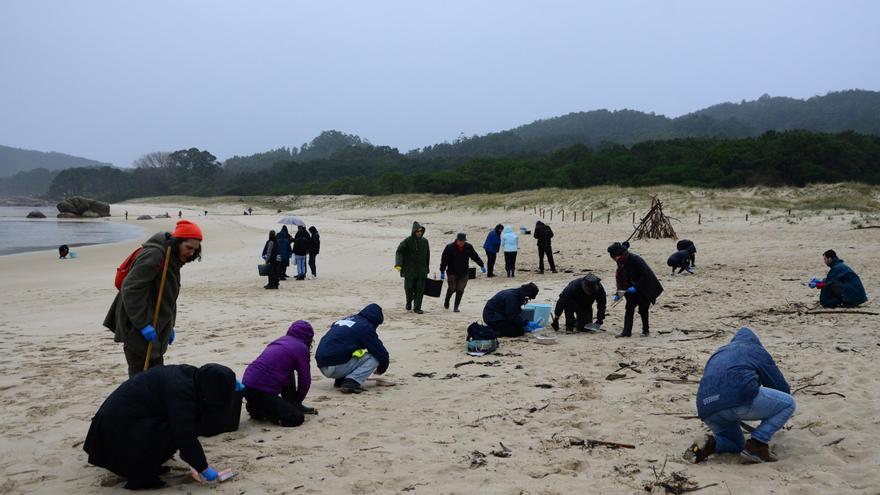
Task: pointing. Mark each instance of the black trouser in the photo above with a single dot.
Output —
(510, 263)
(684, 265)
(549, 252)
(490, 263)
(282, 410)
(455, 284)
(274, 270)
(312, 264)
(632, 302)
(283, 268)
(584, 312)
(136, 361)
(693, 259)
(504, 328)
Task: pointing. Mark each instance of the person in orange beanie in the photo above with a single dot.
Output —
(130, 317)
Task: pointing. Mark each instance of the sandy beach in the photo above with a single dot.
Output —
(442, 431)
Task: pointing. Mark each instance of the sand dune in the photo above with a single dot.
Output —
(436, 433)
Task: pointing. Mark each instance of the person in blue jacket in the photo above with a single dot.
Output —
(492, 246)
(503, 312)
(351, 350)
(742, 382)
(841, 287)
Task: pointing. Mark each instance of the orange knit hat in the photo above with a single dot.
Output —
(187, 230)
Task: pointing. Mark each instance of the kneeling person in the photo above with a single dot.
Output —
(272, 373)
(503, 312)
(577, 299)
(351, 350)
(841, 287)
(681, 259)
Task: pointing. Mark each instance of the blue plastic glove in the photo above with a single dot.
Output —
(616, 297)
(631, 290)
(171, 337)
(239, 386)
(442, 276)
(483, 269)
(532, 326)
(209, 474)
(149, 333)
(814, 282)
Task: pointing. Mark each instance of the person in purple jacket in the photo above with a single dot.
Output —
(272, 391)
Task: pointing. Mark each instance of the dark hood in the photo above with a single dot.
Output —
(283, 234)
(214, 386)
(416, 226)
(373, 314)
(499, 228)
(529, 290)
(302, 331)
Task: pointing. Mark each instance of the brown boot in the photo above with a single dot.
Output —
(702, 453)
(756, 451)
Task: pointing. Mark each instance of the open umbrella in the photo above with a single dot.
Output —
(292, 221)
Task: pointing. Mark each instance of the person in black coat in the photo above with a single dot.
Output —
(301, 251)
(314, 249)
(454, 267)
(271, 253)
(637, 283)
(689, 245)
(543, 233)
(155, 414)
(682, 260)
(503, 312)
(577, 299)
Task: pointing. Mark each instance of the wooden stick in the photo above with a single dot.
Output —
(158, 305)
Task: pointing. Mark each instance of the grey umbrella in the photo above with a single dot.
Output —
(292, 221)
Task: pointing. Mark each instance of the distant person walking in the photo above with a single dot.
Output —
(130, 317)
(454, 267)
(179, 214)
(510, 245)
(284, 252)
(126, 214)
(637, 283)
(841, 287)
(412, 260)
(272, 257)
(314, 249)
(492, 246)
(301, 251)
(543, 233)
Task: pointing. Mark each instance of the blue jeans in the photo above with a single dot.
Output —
(358, 369)
(300, 265)
(771, 406)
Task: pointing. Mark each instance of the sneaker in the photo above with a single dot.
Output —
(455, 310)
(553, 270)
(350, 386)
(755, 452)
(270, 286)
(646, 334)
(490, 275)
(446, 305)
(418, 311)
(622, 335)
(702, 453)
(338, 382)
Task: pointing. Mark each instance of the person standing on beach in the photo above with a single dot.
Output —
(284, 252)
(301, 251)
(130, 316)
(492, 246)
(543, 233)
(742, 382)
(314, 249)
(412, 261)
(841, 287)
(454, 267)
(637, 283)
(272, 257)
(510, 245)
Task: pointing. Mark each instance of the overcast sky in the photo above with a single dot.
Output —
(112, 80)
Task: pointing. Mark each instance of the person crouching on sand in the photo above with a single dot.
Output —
(284, 369)
(742, 382)
(131, 314)
(503, 312)
(351, 350)
(841, 287)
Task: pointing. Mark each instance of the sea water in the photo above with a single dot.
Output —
(19, 234)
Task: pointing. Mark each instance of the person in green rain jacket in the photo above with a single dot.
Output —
(130, 317)
(412, 260)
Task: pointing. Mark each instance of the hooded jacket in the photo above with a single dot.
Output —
(413, 254)
(543, 233)
(686, 244)
(156, 413)
(493, 240)
(272, 371)
(842, 287)
(509, 240)
(507, 305)
(301, 242)
(350, 334)
(679, 258)
(135, 303)
(283, 238)
(734, 374)
(575, 294)
(455, 262)
(314, 241)
(633, 271)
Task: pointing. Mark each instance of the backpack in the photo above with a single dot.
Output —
(481, 339)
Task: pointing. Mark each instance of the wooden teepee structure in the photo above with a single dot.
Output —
(654, 225)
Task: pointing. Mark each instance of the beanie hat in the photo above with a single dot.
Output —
(461, 237)
(616, 249)
(187, 230)
(529, 290)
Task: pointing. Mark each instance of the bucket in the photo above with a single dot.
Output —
(472, 273)
(72, 254)
(523, 230)
(539, 312)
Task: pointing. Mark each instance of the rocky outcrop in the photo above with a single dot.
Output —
(36, 214)
(78, 206)
(145, 217)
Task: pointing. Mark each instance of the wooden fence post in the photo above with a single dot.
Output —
(699, 218)
(591, 217)
(609, 218)
(551, 214)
